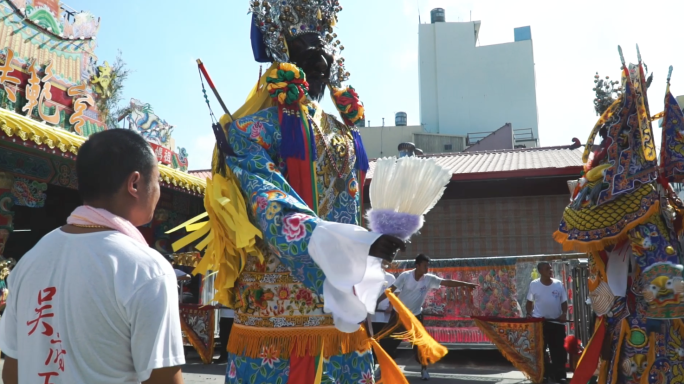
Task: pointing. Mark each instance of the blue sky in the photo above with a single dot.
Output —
(160, 41)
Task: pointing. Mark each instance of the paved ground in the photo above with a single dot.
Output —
(458, 367)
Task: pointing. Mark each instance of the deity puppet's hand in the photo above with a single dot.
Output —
(386, 247)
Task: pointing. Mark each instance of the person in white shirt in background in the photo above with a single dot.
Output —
(183, 278)
(384, 309)
(548, 299)
(92, 302)
(414, 286)
(225, 325)
(181, 275)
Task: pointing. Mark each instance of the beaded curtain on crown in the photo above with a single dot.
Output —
(283, 20)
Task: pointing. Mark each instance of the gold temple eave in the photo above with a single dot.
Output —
(52, 140)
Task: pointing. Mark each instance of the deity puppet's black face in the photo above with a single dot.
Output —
(310, 53)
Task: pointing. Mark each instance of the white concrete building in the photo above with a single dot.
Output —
(466, 88)
(383, 141)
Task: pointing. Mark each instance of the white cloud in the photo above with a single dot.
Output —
(202, 151)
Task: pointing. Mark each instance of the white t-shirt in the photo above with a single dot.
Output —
(91, 308)
(413, 293)
(547, 299)
(380, 315)
(227, 313)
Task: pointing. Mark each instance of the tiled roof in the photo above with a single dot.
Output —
(543, 161)
(529, 162)
(202, 173)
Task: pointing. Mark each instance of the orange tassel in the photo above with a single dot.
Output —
(390, 373)
(429, 350)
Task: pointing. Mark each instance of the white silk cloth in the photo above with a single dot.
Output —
(353, 280)
(617, 270)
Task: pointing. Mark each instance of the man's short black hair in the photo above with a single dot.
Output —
(543, 263)
(107, 158)
(421, 258)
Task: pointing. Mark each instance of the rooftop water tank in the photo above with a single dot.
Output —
(437, 15)
(400, 119)
(408, 150)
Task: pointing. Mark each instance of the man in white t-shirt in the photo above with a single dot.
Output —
(93, 303)
(183, 278)
(181, 275)
(384, 310)
(414, 286)
(548, 299)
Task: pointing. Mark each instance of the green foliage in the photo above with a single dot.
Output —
(607, 92)
(110, 107)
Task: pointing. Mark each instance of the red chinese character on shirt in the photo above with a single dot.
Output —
(47, 376)
(49, 294)
(58, 352)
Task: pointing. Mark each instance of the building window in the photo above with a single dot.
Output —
(448, 147)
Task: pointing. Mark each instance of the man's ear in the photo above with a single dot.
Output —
(134, 183)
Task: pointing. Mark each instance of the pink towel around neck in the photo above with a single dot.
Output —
(87, 215)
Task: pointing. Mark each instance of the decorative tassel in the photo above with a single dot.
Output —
(299, 341)
(361, 156)
(398, 224)
(229, 236)
(292, 142)
(390, 373)
(319, 16)
(347, 102)
(429, 350)
(306, 127)
(287, 85)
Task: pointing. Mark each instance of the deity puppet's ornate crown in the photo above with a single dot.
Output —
(275, 22)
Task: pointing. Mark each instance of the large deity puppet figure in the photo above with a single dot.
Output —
(625, 215)
(284, 205)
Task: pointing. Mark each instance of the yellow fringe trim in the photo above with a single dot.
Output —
(601, 244)
(429, 350)
(229, 236)
(302, 341)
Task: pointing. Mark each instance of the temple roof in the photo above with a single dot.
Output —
(58, 141)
